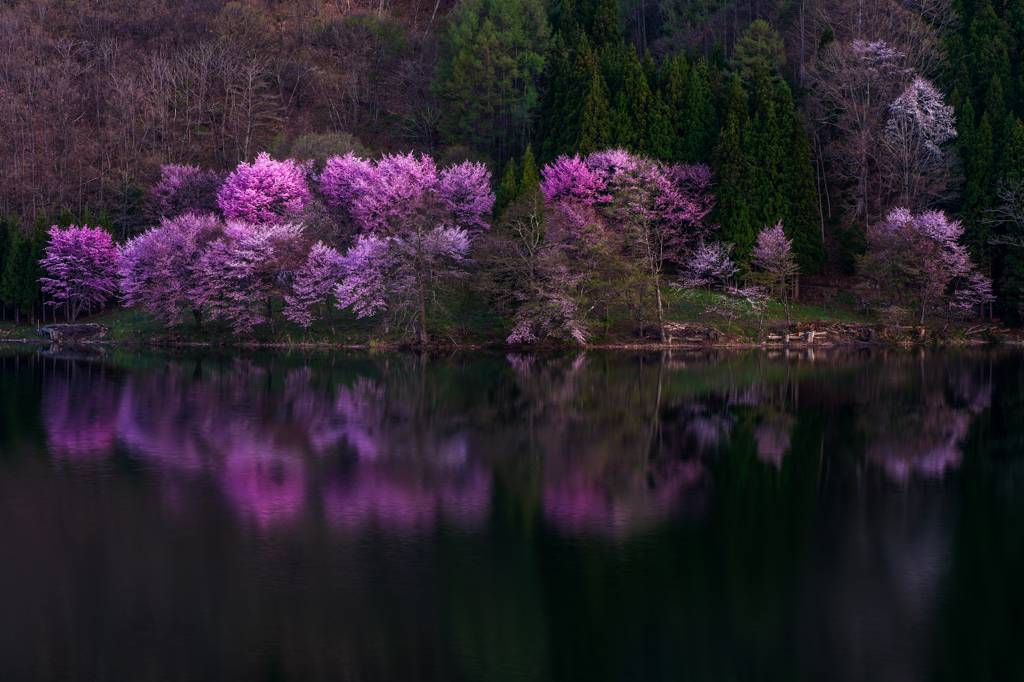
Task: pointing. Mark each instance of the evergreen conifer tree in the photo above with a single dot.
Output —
(19, 250)
(595, 117)
(633, 106)
(802, 217)
(731, 163)
(530, 176)
(699, 128)
(508, 189)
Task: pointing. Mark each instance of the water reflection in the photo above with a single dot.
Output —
(577, 517)
(611, 448)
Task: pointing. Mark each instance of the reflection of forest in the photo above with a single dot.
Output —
(601, 443)
(582, 517)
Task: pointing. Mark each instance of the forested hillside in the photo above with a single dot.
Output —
(825, 115)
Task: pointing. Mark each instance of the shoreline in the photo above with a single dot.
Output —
(807, 335)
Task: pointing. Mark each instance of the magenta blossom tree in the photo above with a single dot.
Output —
(243, 271)
(393, 275)
(642, 211)
(314, 285)
(264, 191)
(421, 219)
(571, 180)
(81, 268)
(342, 181)
(917, 259)
(184, 189)
(465, 192)
(160, 269)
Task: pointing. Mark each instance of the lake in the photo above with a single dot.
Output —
(215, 515)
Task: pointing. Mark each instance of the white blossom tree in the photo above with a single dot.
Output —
(919, 124)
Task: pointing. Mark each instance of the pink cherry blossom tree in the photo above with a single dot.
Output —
(526, 274)
(465, 192)
(421, 222)
(709, 264)
(243, 271)
(184, 189)
(160, 270)
(264, 191)
(81, 268)
(343, 179)
(776, 263)
(645, 213)
(571, 180)
(314, 285)
(393, 275)
(917, 259)
(659, 209)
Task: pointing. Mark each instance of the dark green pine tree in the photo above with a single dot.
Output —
(980, 178)
(766, 147)
(508, 189)
(604, 29)
(103, 220)
(32, 291)
(675, 76)
(566, 20)
(803, 213)
(529, 176)
(1010, 267)
(67, 218)
(595, 117)
(550, 121)
(633, 106)
(12, 289)
(1011, 161)
(579, 84)
(731, 163)
(995, 107)
(661, 134)
(698, 129)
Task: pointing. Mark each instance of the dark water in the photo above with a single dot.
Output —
(843, 516)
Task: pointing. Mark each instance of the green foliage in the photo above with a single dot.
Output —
(508, 190)
(493, 59)
(529, 177)
(760, 49)
(633, 109)
(516, 181)
(986, 94)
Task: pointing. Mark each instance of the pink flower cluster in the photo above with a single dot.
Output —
(264, 191)
(675, 194)
(81, 268)
(388, 195)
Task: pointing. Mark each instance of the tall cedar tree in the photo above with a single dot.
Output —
(490, 72)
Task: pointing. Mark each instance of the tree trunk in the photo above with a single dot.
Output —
(661, 320)
(421, 293)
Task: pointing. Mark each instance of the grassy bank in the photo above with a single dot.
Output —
(687, 319)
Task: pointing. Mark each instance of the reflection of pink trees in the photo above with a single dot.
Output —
(593, 439)
(80, 426)
(577, 500)
(398, 497)
(267, 450)
(264, 486)
(773, 440)
(918, 436)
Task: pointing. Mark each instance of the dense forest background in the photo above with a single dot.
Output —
(788, 102)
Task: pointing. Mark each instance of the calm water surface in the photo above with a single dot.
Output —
(851, 515)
